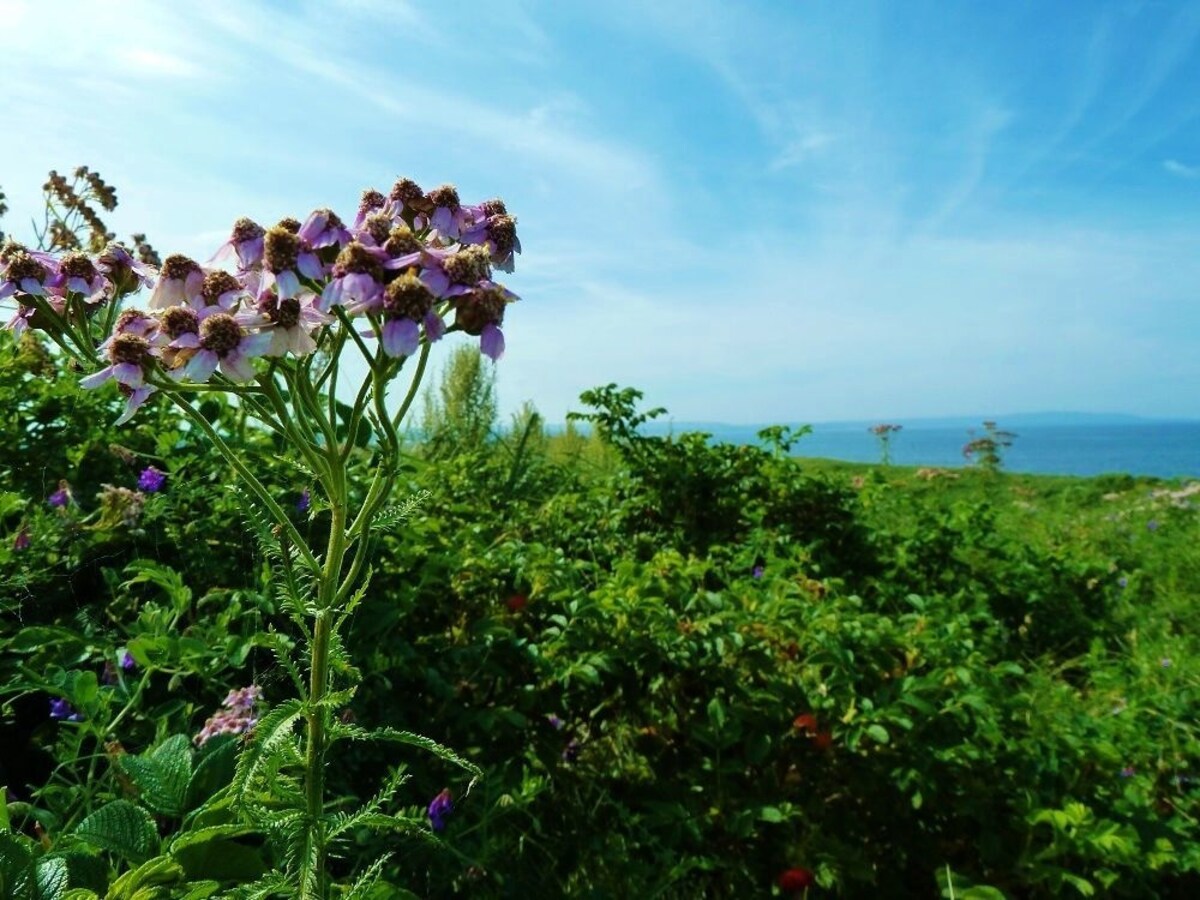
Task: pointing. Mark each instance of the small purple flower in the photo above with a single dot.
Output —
(1123, 582)
(224, 341)
(180, 282)
(236, 716)
(757, 571)
(1128, 772)
(151, 480)
(439, 809)
(61, 497)
(303, 501)
(1152, 525)
(287, 256)
(571, 751)
(323, 228)
(128, 663)
(246, 241)
(63, 711)
(21, 541)
(555, 722)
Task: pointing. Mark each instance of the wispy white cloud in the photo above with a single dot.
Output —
(1175, 167)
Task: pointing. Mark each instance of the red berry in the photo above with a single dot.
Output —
(795, 879)
(516, 603)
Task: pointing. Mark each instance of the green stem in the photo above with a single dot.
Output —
(313, 872)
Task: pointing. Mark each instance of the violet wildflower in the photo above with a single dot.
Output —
(1128, 772)
(407, 302)
(21, 541)
(498, 234)
(128, 663)
(130, 357)
(440, 808)
(246, 242)
(181, 281)
(303, 501)
(221, 289)
(292, 322)
(555, 722)
(287, 256)
(151, 480)
(1123, 582)
(446, 215)
(236, 716)
(223, 341)
(481, 313)
(62, 497)
(323, 228)
(63, 711)
(406, 199)
(135, 322)
(79, 274)
(1152, 525)
(26, 271)
(126, 273)
(571, 751)
(372, 203)
(357, 277)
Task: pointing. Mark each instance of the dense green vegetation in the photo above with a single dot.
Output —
(684, 668)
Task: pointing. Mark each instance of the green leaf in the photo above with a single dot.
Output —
(432, 746)
(209, 854)
(272, 731)
(214, 770)
(51, 878)
(16, 866)
(878, 734)
(162, 775)
(138, 883)
(123, 828)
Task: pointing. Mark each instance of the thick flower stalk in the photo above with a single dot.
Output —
(266, 321)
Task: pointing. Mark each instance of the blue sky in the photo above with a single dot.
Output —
(761, 212)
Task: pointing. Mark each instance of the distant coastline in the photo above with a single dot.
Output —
(1082, 444)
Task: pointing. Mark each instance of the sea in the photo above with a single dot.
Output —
(1165, 449)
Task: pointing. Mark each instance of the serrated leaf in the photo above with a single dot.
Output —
(123, 828)
(416, 740)
(272, 731)
(162, 776)
(51, 878)
(16, 865)
(213, 772)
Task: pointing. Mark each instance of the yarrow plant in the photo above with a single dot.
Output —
(884, 432)
(267, 322)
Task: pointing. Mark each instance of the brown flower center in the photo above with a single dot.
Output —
(468, 266)
(21, 266)
(217, 283)
(220, 333)
(401, 241)
(177, 266)
(180, 320)
(356, 258)
(129, 348)
(77, 265)
(408, 298)
(246, 230)
(281, 247)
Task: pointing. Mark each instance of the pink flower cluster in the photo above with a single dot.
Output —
(406, 262)
(237, 715)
